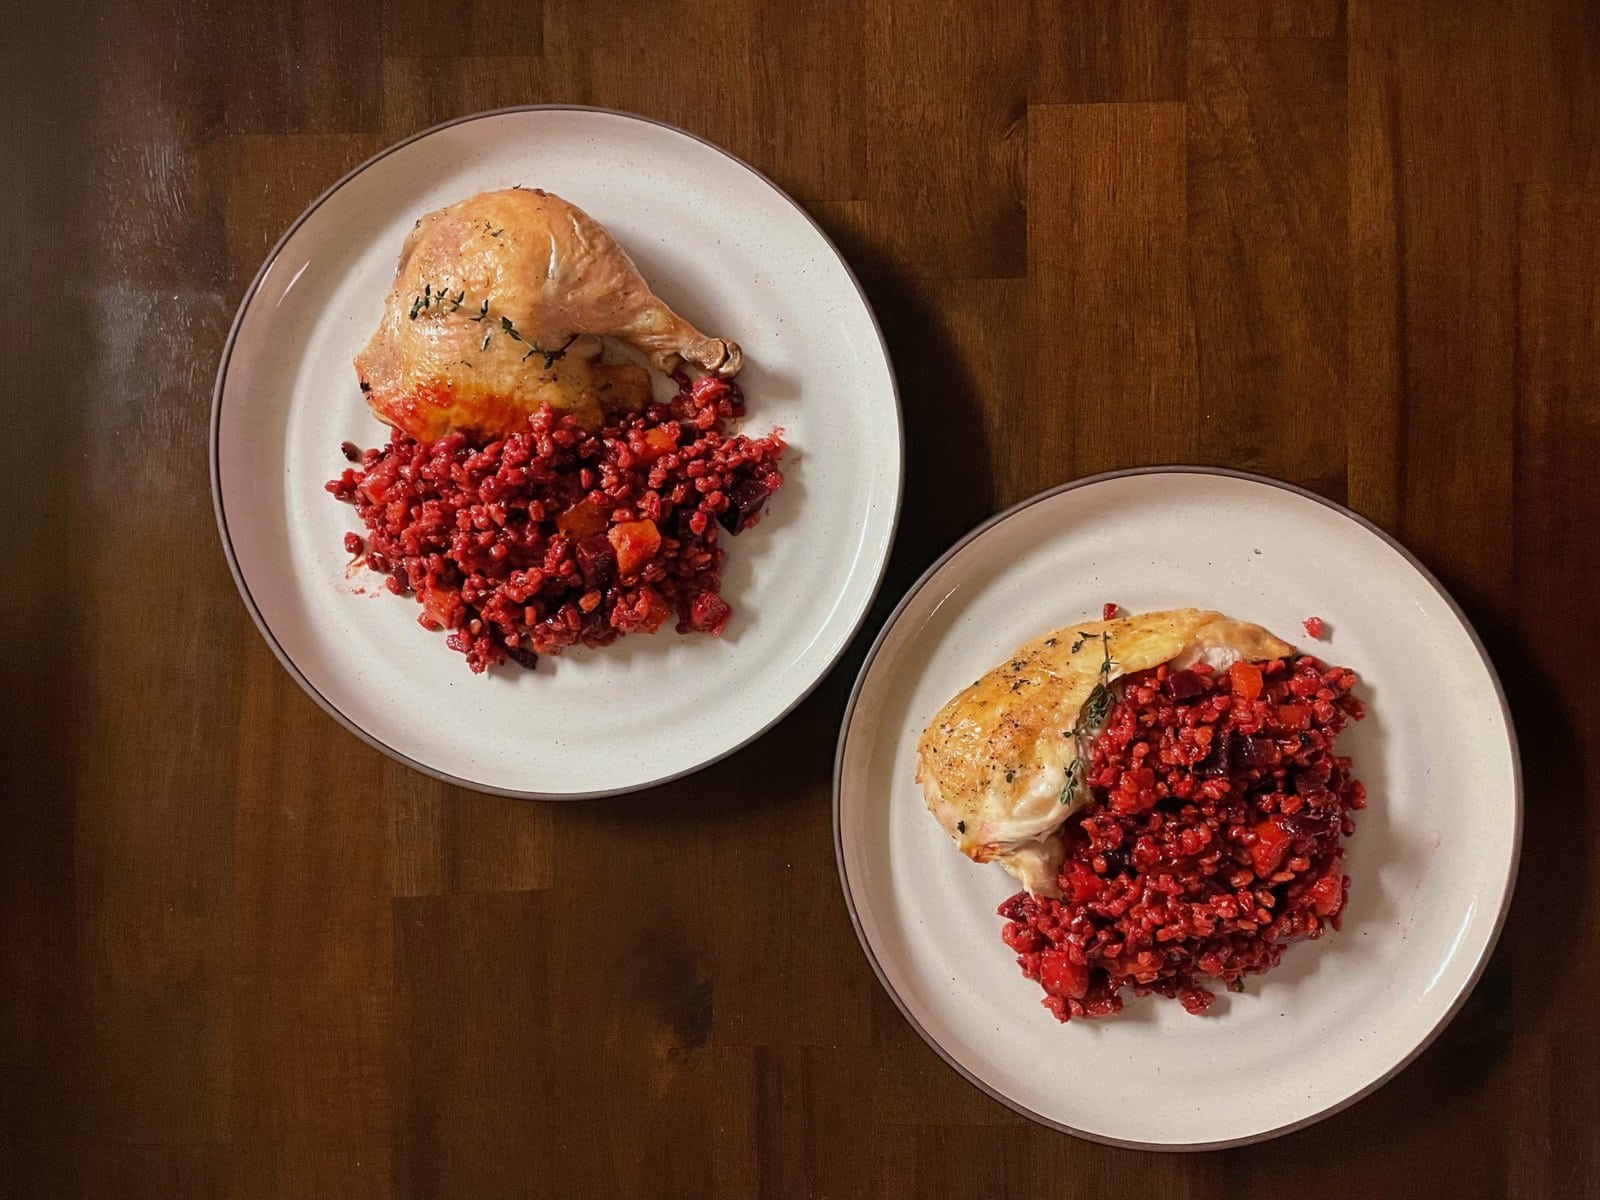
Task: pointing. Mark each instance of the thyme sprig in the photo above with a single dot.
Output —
(1090, 718)
(508, 328)
(429, 298)
(550, 356)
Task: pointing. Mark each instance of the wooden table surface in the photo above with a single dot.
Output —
(242, 954)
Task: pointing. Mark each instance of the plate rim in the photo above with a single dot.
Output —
(1517, 807)
(214, 456)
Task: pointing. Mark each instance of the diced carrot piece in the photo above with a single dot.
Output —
(657, 441)
(583, 519)
(1294, 716)
(1272, 844)
(440, 608)
(635, 542)
(1246, 680)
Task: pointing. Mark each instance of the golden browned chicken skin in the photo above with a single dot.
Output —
(498, 306)
(994, 763)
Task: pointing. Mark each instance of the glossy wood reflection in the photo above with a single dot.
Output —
(1352, 243)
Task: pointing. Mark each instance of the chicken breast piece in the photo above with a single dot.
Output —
(498, 306)
(993, 764)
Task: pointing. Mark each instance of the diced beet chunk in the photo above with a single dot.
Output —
(522, 655)
(1257, 752)
(745, 501)
(709, 613)
(597, 561)
(1061, 975)
(1184, 685)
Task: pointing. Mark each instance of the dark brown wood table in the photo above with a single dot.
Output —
(242, 954)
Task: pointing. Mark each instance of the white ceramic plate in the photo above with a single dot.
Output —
(724, 247)
(1431, 863)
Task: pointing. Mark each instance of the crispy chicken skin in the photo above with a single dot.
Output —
(498, 306)
(993, 763)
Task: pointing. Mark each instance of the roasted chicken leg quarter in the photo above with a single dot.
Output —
(498, 306)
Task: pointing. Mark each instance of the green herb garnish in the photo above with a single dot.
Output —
(506, 325)
(1075, 773)
(550, 356)
(1095, 710)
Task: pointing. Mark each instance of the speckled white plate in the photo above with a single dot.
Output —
(724, 247)
(1431, 863)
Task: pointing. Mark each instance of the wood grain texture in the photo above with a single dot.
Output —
(1114, 327)
(1268, 247)
(1107, 51)
(1265, 18)
(1354, 244)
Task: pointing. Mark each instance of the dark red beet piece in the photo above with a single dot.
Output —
(1184, 685)
(597, 560)
(1257, 752)
(745, 501)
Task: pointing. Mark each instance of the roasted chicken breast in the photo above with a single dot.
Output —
(996, 763)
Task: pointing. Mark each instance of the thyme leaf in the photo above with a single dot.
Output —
(1075, 772)
(550, 356)
(1097, 706)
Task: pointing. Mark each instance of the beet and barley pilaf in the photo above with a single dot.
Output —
(558, 536)
(1213, 841)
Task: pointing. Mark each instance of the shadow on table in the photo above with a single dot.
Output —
(1557, 832)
